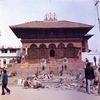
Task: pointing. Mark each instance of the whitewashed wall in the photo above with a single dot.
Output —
(90, 56)
(8, 56)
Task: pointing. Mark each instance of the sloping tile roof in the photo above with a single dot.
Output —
(56, 24)
(88, 36)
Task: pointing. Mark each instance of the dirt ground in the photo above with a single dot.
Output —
(19, 93)
(57, 88)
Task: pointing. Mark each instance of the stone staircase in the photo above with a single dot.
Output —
(53, 65)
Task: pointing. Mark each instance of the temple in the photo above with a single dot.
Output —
(52, 38)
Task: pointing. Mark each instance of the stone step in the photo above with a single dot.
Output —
(25, 69)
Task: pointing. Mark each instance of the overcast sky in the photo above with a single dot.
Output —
(14, 12)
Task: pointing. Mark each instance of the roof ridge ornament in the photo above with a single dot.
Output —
(49, 17)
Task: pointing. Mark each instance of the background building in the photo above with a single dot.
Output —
(8, 55)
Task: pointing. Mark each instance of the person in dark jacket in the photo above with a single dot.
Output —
(89, 75)
(5, 82)
(95, 60)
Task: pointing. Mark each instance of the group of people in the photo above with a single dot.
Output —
(92, 76)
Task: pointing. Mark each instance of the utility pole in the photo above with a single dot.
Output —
(96, 3)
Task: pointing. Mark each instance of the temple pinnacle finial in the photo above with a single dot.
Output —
(50, 17)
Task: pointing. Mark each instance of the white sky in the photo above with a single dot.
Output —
(14, 12)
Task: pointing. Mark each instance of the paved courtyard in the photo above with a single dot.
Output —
(18, 93)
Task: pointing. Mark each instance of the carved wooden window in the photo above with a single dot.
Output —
(42, 49)
(33, 46)
(52, 46)
(70, 51)
(61, 45)
(69, 45)
(61, 50)
(33, 51)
